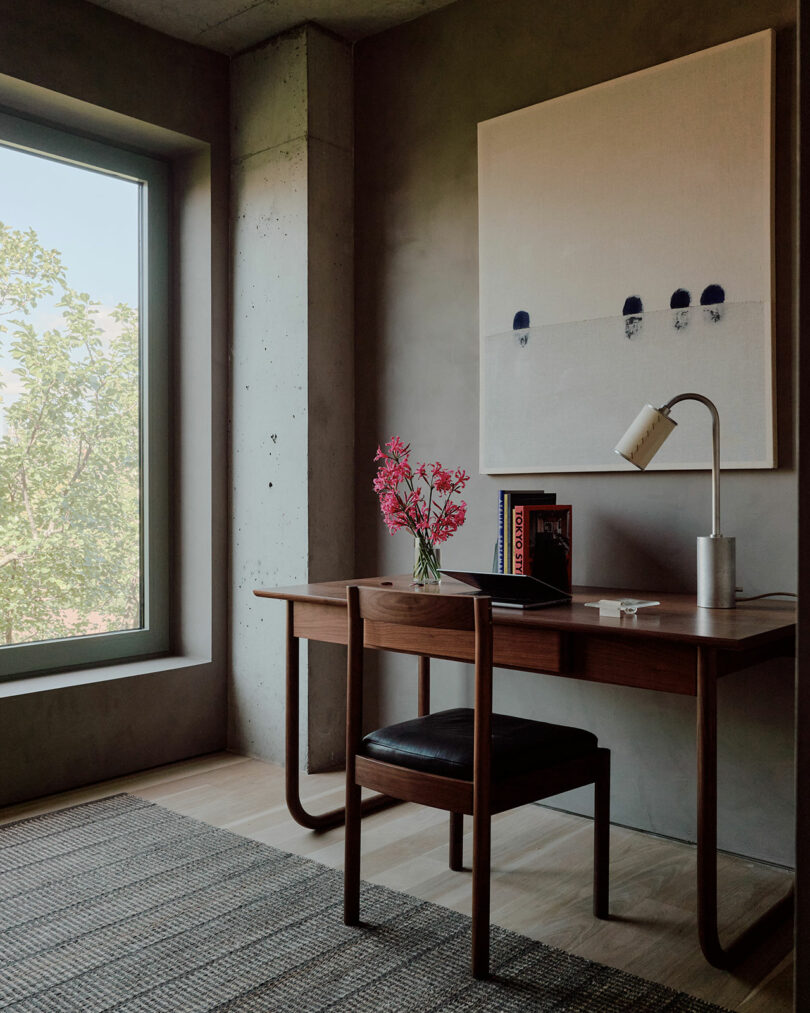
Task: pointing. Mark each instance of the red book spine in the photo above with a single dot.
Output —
(521, 560)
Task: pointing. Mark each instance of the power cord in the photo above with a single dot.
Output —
(770, 594)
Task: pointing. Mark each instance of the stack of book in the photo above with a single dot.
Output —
(534, 536)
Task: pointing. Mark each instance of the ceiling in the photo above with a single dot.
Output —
(229, 26)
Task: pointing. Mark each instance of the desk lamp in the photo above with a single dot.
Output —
(716, 566)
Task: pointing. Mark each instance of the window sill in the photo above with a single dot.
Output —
(29, 685)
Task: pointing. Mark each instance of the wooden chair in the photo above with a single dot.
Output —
(465, 760)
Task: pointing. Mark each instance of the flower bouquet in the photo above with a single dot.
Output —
(427, 510)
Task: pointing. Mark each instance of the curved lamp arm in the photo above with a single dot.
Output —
(665, 410)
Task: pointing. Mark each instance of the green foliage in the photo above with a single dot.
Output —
(27, 271)
(69, 461)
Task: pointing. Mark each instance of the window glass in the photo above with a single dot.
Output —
(70, 500)
(82, 400)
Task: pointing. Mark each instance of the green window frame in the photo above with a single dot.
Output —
(153, 637)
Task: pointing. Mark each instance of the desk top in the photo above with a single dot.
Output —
(677, 618)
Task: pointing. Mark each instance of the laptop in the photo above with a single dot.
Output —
(512, 590)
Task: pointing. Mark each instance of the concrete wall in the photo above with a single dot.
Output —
(293, 373)
(76, 65)
(420, 91)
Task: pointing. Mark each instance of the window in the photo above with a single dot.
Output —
(83, 401)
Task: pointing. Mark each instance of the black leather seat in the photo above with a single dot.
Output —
(442, 743)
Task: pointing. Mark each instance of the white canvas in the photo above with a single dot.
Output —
(652, 184)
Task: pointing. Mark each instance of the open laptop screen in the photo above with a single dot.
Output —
(513, 590)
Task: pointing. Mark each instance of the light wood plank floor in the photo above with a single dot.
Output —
(541, 872)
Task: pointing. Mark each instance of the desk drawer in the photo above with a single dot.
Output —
(534, 650)
(531, 650)
(647, 664)
(314, 621)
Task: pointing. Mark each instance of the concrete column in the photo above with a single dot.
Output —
(292, 426)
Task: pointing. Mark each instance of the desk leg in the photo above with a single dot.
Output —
(456, 819)
(713, 950)
(335, 817)
(424, 685)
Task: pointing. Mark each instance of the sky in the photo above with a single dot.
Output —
(91, 218)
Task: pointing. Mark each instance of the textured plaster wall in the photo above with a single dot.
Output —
(293, 371)
(421, 89)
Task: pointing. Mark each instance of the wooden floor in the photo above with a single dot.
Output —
(541, 863)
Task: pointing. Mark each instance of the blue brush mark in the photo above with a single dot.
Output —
(680, 301)
(632, 312)
(712, 299)
(712, 295)
(521, 325)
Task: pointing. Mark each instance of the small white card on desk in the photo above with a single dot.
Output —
(617, 607)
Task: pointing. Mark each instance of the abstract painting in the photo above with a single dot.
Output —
(625, 256)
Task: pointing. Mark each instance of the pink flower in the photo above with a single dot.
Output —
(428, 512)
(443, 480)
(396, 446)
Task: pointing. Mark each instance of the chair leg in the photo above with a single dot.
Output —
(351, 860)
(456, 841)
(480, 894)
(601, 837)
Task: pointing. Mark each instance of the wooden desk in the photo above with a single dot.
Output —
(673, 648)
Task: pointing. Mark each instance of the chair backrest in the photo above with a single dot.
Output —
(418, 616)
(405, 608)
(418, 623)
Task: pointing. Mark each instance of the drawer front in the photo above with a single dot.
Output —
(313, 621)
(531, 650)
(513, 647)
(647, 664)
(535, 650)
(667, 667)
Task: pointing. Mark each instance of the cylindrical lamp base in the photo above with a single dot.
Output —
(716, 572)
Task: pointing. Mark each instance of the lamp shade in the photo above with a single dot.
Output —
(643, 439)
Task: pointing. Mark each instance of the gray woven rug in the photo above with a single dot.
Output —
(122, 905)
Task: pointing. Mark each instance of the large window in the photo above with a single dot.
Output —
(83, 401)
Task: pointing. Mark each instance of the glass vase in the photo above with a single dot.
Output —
(427, 560)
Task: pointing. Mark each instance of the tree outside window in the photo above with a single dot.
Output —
(70, 502)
